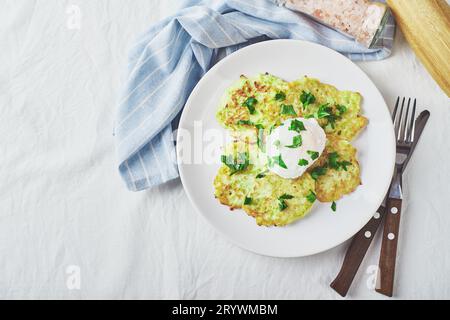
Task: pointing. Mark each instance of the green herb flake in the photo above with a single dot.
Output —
(317, 172)
(303, 162)
(240, 163)
(345, 164)
(260, 137)
(296, 142)
(282, 205)
(307, 98)
(333, 161)
(282, 201)
(333, 206)
(297, 126)
(261, 175)
(324, 111)
(311, 197)
(313, 154)
(279, 161)
(280, 96)
(250, 104)
(342, 109)
(248, 201)
(245, 123)
(332, 120)
(288, 109)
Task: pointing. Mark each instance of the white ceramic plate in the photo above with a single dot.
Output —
(321, 229)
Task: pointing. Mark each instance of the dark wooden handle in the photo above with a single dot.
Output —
(355, 253)
(388, 253)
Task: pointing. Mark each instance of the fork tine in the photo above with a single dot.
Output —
(395, 109)
(405, 121)
(408, 123)
(398, 120)
(412, 126)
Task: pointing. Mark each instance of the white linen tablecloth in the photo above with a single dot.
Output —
(70, 229)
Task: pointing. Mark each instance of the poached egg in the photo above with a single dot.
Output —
(294, 146)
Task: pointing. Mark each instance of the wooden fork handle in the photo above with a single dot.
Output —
(388, 253)
(356, 252)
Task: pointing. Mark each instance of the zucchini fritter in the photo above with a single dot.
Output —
(344, 119)
(341, 178)
(252, 101)
(277, 202)
(231, 188)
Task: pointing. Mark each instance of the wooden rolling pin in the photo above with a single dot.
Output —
(426, 26)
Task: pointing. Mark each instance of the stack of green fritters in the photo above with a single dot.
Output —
(251, 109)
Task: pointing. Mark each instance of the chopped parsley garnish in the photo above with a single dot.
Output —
(245, 123)
(279, 161)
(250, 104)
(333, 162)
(296, 142)
(342, 109)
(333, 206)
(240, 163)
(313, 154)
(282, 203)
(297, 126)
(303, 162)
(345, 164)
(307, 98)
(311, 197)
(332, 120)
(317, 172)
(259, 140)
(261, 175)
(248, 201)
(288, 109)
(324, 111)
(271, 129)
(280, 96)
(260, 137)
(286, 197)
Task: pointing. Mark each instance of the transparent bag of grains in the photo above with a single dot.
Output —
(362, 20)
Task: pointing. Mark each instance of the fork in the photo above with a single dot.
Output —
(404, 125)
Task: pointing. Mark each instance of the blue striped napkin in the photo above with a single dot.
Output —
(169, 59)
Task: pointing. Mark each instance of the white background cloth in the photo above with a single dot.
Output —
(64, 209)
